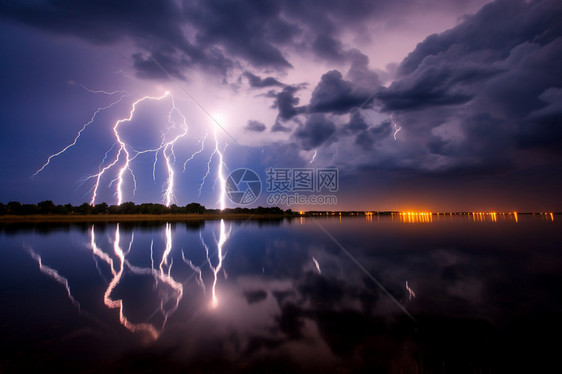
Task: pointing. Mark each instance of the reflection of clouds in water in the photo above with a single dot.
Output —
(468, 289)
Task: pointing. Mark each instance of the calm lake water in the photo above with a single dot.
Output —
(362, 294)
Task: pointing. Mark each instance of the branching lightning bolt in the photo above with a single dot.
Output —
(118, 304)
(168, 152)
(77, 135)
(220, 175)
(196, 269)
(128, 154)
(118, 163)
(118, 265)
(160, 275)
(221, 254)
(109, 93)
(55, 275)
(201, 149)
(123, 148)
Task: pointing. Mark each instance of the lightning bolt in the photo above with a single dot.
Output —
(55, 275)
(117, 161)
(161, 274)
(221, 254)
(220, 175)
(313, 157)
(396, 130)
(410, 291)
(317, 265)
(196, 269)
(168, 152)
(99, 253)
(201, 149)
(168, 248)
(396, 127)
(170, 296)
(109, 93)
(100, 109)
(118, 304)
(126, 153)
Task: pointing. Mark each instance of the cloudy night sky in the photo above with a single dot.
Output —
(434, 104)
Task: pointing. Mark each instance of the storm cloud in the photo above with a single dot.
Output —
(471, 103)
(483, 98)
(315, 131)
(256, 126)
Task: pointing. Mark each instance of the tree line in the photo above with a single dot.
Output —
(48, 207)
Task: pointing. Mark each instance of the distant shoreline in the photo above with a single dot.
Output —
(185, 217)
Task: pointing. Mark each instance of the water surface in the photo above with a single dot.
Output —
(377, 294)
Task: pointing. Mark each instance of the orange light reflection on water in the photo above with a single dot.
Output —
(416, 217)
(428, 217)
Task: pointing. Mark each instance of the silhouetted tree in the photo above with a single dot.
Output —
(46, 207)
(128, 208)
(174, 209)
(194, 208)
(14, 207)
(27, 209)
(101, 208)
(85, 208)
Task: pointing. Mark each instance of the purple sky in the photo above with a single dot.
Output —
(474, 87)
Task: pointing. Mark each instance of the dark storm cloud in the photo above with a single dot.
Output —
(328, 17)
(257, 82)
(154, 27)
(359, 72)
(278, 127)
(256, 296)
(369, 136)
(497, 28)
(316, 130)
(212, 35)
(493, 81)
(101, 21)
(542, 127)
(256, 126)
(328, 48)
(217, 32)
(147, 68)
(336, 95)
(356, 122)
(468, 99)
(241, 27)
(502, 38)
(432, 86)
(286, 103)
